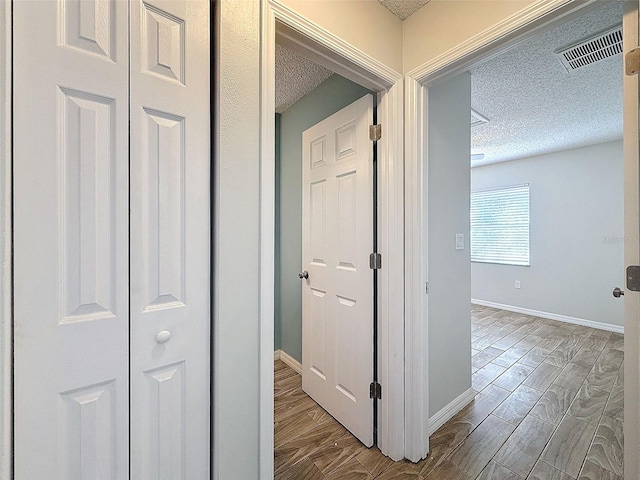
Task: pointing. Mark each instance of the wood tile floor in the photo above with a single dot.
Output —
(549, 407)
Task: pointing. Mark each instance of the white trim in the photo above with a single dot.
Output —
(6, 350)
(267, 237)
(552, 316)
(493, 40)
(329, 50)
(276, 354)
(289, 360)
(631, 125)
(449, 410)
(391, 276)
(416, 274)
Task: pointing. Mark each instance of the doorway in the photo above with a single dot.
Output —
(316, 45)
(470, 61)
(330, 105)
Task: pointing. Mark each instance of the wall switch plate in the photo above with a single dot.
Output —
(517, 283)
(459, 241)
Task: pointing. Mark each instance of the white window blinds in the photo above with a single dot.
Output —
(500, 226)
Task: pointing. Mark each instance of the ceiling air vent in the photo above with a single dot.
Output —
(592, 50)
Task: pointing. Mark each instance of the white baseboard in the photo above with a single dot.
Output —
(288, 359)
(552, 316)
(445, 414)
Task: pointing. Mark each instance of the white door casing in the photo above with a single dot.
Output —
(631, 147)
(170, 250)
(71, 257)
(337, 238)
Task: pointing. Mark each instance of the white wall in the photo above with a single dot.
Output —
(576, 234)
(236, 334)
(365, 24)
(449, 141)
(444, 24)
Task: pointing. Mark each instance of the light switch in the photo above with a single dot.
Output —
(459, 241)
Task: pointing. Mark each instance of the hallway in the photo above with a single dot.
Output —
(542, 386)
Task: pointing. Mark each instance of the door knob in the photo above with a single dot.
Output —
(617, 292)
(304, 275)
(163, 336)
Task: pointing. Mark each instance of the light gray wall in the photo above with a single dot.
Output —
(236, 334)
(576, 234)
(330, 96)
(449, 269)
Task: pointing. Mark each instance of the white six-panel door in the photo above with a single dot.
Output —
(71, 240)
(170, 263)
(111, 362)
(337, 238)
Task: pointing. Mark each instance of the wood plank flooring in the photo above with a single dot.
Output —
(549, 407)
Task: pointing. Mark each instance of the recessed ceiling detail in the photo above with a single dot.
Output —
(592, 50)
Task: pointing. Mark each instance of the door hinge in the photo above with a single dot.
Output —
(375, 132)
(426, 287)
(375, 390)
(632, 61)
(375, 261)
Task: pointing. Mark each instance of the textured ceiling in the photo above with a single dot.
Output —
(403, 8)
(295, 77)
(535, 106)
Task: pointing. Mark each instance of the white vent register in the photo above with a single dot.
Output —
(592, 50)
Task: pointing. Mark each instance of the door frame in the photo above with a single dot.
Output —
(631, 253)
(323, 47)
(6, 237)
(531, 20)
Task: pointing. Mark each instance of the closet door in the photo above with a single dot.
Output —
(170, 231)
(71, 240)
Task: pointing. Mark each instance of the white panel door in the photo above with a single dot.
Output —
(337, 238)
(170, 231)
(71, 240)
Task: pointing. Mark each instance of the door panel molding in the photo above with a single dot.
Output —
(71, 256)
(337, 295)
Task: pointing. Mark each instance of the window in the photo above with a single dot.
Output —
(500, 226)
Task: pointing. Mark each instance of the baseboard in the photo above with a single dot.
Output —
(288, 359)
(552, 316)
(445, 414)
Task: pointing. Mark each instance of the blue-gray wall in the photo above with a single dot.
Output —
(330, 96)
(277, 334)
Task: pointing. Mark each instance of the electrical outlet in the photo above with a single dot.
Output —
(459, 241)
(517, 283)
